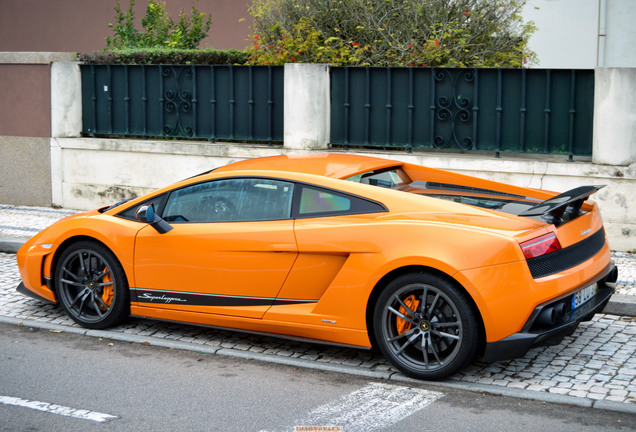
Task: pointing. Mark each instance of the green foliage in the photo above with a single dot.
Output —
(441, 33)
(165, 56)
(159, 30)
(304, 44)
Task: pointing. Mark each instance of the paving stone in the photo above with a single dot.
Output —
(615, 398)
(537, 387)
(600, 390)
(595, 396)
(517, 384)
(558, 390)
(578, 393)
(309, 357)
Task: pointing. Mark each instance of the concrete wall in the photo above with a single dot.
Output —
(25, 171)
(567, 32)
(89, 172)
(580, 34)
(95, 172)
(82, 25)
(583, 34)
(25, 126)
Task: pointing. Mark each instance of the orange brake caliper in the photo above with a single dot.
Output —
(107, 293)
(412, 303)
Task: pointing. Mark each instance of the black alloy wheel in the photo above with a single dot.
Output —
(91, 286)
(426, 326)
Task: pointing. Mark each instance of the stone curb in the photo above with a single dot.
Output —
(622, 305)
(349, 370)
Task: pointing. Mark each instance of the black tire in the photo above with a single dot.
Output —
(430, 342)
(91, 286)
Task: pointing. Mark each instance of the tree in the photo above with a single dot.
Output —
(441, 33)
(159, 30)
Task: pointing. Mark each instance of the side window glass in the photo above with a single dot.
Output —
(318, 202)
(321, 201)
(232, 200)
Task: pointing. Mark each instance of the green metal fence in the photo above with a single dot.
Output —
(206, 102)
(497, 110)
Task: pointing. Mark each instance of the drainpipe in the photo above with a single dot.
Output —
(602, 18)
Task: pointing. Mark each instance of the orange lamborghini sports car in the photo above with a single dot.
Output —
(433, 268)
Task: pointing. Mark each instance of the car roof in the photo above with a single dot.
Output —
(334, 165)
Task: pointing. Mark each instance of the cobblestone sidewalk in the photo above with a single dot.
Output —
(597, 363)
(16, 221)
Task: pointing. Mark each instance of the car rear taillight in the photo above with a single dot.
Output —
(540, 246)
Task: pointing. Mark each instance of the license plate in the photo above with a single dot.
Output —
(583, 296)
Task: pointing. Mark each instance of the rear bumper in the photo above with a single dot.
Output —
(537, 334)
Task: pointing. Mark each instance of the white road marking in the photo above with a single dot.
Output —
(375, 406)
(57, 409)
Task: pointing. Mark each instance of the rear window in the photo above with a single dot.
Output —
(393, 178)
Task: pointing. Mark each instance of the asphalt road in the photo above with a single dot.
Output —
(59, 381)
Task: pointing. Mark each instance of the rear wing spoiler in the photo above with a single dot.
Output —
(570, 202)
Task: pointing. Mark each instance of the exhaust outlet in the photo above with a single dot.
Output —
(551, 315)
(559, 312)
(547, 317)
(612, 276)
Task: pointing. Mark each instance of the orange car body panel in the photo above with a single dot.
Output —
(314, 276)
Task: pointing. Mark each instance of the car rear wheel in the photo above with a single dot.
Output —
(91, 286)
(425, 326)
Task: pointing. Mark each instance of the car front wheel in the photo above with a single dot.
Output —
(91, 286)
(425, 326)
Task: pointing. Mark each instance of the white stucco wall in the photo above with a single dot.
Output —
(567, 32)
(90, 172)
(583, 34)
(620, 43)
(96, 172)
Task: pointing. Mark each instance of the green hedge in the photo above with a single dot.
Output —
(165, 56)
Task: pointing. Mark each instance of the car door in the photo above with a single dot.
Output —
(335, 241)
(229, 252)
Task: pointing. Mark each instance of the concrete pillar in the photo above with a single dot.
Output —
(307, 106)
(614, 116)
(66, 100)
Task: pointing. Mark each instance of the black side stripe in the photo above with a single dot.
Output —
(200, 299)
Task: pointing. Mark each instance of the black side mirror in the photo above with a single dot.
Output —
(146, 214)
